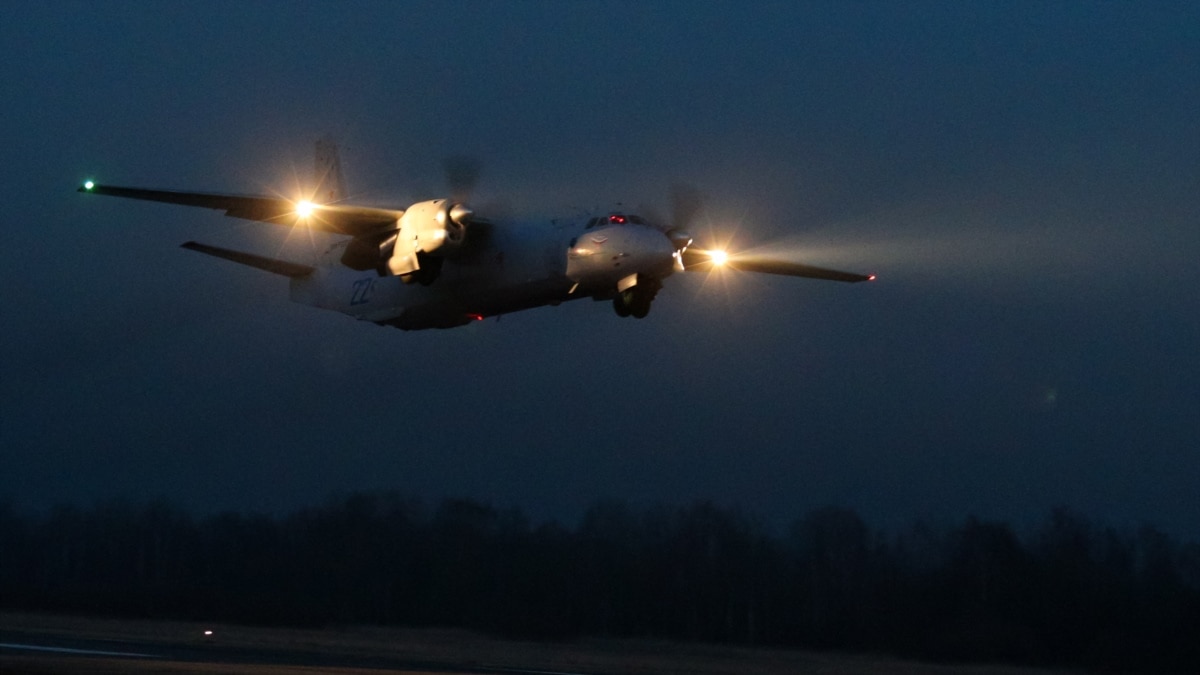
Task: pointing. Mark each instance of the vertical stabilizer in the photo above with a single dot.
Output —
(328, 172)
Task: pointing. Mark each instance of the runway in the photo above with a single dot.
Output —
(46, 653)
(39, 644)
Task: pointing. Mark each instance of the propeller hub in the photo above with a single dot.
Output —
(461, 214)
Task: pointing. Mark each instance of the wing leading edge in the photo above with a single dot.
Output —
(791, 269)
(704, 260)
(336, 218)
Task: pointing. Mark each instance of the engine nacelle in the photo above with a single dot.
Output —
(434, 228)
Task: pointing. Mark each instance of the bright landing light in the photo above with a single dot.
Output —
(718, 257)
(304, 208)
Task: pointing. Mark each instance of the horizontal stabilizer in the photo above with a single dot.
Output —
(284, 267)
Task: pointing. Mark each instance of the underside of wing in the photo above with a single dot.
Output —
(336, 218)
(272, 265)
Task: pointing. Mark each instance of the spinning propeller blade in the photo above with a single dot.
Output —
(462, 175)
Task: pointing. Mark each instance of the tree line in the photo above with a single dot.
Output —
(1068, 593)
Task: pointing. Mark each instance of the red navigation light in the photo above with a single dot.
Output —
(477, 317)
(871, 278)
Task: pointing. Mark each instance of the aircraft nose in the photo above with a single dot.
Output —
(608, 254)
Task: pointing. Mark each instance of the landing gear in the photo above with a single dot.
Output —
(620, 307)
(636, 300)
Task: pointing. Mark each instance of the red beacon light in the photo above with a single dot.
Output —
(619, 220)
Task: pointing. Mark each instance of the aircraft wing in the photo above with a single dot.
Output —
(792, 269)
(336, 218)
(705, 260)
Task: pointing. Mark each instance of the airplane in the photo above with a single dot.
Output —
(438, 264)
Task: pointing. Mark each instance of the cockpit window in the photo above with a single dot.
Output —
(615, 219)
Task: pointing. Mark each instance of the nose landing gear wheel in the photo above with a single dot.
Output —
(640, 305)
(636, 301)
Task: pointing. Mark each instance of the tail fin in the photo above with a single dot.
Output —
(328, 172)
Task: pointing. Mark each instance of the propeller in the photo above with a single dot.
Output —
(462, 175)
(686, 202)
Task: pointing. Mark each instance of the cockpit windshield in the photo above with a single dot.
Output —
(615, 219)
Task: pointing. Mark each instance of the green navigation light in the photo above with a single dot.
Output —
(88, 185)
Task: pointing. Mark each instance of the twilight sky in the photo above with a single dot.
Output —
(1024, 178)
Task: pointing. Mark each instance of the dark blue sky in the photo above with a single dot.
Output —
(1024, 178)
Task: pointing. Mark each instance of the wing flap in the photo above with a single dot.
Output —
(335, 218)
(272, 265)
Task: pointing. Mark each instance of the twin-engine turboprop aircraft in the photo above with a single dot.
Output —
(438, 264)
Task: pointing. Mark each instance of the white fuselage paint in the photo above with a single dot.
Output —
(505, 267)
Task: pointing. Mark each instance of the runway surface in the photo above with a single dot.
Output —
(44, 653)
(35, 644)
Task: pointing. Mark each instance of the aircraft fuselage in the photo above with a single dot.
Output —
(510, 266)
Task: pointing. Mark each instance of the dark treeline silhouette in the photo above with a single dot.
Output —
(1069, 593)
